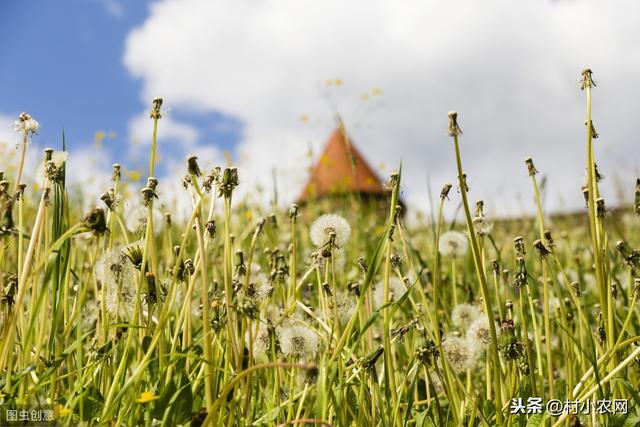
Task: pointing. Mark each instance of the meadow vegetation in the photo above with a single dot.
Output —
(242, 314)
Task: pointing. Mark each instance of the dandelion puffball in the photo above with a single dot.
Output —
(137, 221)
(26, 124)
(479, 333)
(298, 341)
(459, 354)
(482, 226)
(260, 340)
(453, 243)
(463, 314)
(322, 228)
(117, 275)
(396, 290)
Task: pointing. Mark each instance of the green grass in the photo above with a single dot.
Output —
(241, 315)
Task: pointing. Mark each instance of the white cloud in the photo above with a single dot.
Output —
(511, 69)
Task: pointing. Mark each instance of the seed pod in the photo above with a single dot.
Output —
(362, 264)
(600, 209)
(454, 128)
(96, 221)
(631, 256)
(541, 248)
(548, 239)
(530, 167)
(293, 213)
(156, 104)
(116, 172)
(444, 193)
(587, 79)
(520, 276)
(192, 166)
(585, 193)
(576, 289)
(518, 243)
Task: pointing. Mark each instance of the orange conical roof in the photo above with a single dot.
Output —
(334, 173)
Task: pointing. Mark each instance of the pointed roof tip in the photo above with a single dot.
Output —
(334, 172)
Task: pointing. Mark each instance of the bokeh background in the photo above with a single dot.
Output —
(260, 83)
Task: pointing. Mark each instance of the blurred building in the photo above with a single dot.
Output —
(342, 176)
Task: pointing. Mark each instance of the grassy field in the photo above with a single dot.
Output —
(241, 315)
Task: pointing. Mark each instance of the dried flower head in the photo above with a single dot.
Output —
(192, 166)
(444, 193)
(96, 221)
(156, 106)
(530, 166)
(454, 128)
(330, 227)
(453, 243)
(587, 79)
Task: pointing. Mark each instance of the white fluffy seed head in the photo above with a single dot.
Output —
(464, 314)
(259, 287)
(459, 354)
(26, 123)
(396, 290)
(479, 333)
(453, 243)
(59, 158)
(298, 341)
(137, 221)
(322, 228)
(482, 226)
(344, 306)
(260, 340)
(117, 274)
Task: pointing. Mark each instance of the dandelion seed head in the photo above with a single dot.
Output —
(479, 333)
(26, 123)
(298, 341)
(260, 287)
(59, 158)
(453, 243)
(396, 290)
(460, 355)
(322, 228)
(137, 221)
(464, 314)
(117, 275)
(482, 226)
(344, 306)
(261, 340)
(306, 377)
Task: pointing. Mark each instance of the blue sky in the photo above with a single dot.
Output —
(64, 66)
